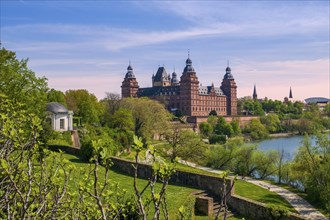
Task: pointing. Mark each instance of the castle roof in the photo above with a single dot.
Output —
(228, 74)
(206, 90)
(161, 75)
(129, 73)
(158, 90)
(317, 100)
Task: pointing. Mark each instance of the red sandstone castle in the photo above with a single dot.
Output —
(186, 95)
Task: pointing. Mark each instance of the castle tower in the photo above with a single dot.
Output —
(129, 86)
(161, 78)
(255, 96)
(175, 80)
(229, 88)
(189, 90)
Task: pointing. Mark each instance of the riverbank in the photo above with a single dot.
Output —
(288, 134)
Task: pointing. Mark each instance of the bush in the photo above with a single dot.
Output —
(276, 212)
(217, 139)
(186, 211)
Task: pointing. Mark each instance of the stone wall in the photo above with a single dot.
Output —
(209, 183)
(242, 120)
(248, 208)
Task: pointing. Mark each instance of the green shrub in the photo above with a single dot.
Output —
(277, 212)
(217, 139)
(186, 211)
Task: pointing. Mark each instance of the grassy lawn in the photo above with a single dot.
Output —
(257, 193)
(176, 195)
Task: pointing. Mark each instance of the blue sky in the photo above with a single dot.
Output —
(88, 44)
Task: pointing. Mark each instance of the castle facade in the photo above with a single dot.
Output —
(186, 94)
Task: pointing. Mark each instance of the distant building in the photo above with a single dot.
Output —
(321, 102)
(255, 96)
(60, 117)
(286, 99)
(186, 95)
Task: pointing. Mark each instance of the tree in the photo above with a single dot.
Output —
(223, 156)
(185, 144)
(56, 96)
(272, 122)
(85, 105)
(244, 162)
(265, 162)
(256, 130)
(20, 84)
(205, 129)
(34, 181)
(161, 172)
(223, 128)
(311, 167)
(149, 116)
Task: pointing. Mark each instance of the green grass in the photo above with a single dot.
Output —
(176, 195)
(256, 193)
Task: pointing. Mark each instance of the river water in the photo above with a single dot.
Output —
(290, 144)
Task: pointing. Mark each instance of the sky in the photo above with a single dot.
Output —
(75, 44)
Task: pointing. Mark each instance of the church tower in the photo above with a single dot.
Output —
(229, 88)
(129, 86)
(255, 96)
(189, 90)
(290, 94)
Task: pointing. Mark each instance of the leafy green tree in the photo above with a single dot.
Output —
(272, 122)
(253, 107)
(244, 162)
(223, 128)
(256, 130)
(205, 129)
(311, 167)
(185, 144)
(20, 84)
(235, 126)
(56, 96)
(85, 105)
(34, 181)
(266, 162)
(223, 156)
(149, 116)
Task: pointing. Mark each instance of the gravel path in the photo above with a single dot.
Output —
(302, 206)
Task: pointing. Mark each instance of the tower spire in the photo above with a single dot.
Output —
(188, 53)
(290, 94)
(255, 96)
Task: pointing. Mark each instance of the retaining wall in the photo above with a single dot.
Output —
(248, 208)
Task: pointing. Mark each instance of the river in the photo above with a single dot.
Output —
(290, 144)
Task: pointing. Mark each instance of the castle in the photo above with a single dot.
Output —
(186, 95)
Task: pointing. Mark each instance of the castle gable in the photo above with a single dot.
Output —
(206, 90)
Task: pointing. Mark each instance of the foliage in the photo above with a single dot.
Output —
(277, 213)
(84, 105)
(244, 162)
(311, 167)
(162, 172)
(223, 156)
(185, 144)
(205, 129)
(20, 84)
(149, 116)
(252, 107)
(54, 95)
(266, 163)
(256, 130)
(272, 123)
(89, 133)
(186, 211)
(33, 181)
(217, 139)
(59, 138)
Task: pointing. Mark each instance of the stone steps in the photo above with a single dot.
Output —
(209, 205)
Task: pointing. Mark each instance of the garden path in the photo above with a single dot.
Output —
(305, 209)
